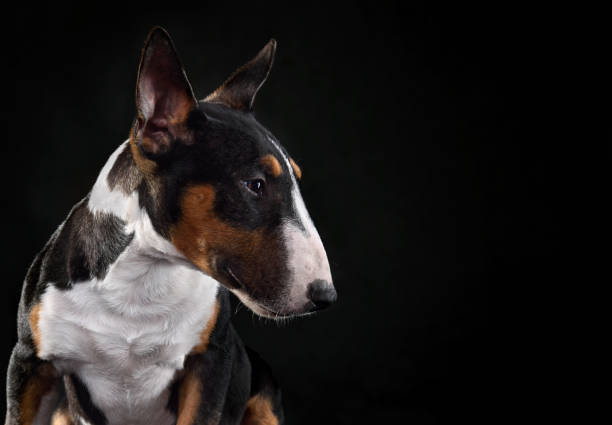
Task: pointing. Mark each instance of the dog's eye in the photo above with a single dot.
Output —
(256, 185)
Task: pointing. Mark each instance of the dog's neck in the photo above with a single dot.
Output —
(115, 192)
(149, 257)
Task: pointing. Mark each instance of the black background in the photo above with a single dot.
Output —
(406, 121)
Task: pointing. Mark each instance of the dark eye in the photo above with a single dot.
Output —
(256, 185)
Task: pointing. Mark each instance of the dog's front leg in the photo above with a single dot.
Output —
(33, 388)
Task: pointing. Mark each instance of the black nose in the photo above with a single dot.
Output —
(322, 294)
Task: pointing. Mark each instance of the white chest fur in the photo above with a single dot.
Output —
(125, 340)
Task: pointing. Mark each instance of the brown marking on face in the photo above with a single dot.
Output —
(33, 319)
(271, 165)
(296, 169)
(205, 335)
(39, 384)
(259, 412)
(190, 235)
(190, 395)
(202, 237)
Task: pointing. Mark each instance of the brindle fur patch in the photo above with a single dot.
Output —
(259, 412)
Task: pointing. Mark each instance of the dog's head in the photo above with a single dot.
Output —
(222, 189)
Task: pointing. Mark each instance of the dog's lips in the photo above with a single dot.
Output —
(261, 309)
(242, 293)
(271, 314)
(264, 311)
(233, 278)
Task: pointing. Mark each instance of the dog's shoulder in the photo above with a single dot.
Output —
(81, 248)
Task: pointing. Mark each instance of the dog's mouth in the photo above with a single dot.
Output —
(240, 290)
(259, 309)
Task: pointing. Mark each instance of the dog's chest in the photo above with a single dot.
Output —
(125, 342)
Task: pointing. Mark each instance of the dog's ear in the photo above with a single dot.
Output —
(164, 96)
(240, 89)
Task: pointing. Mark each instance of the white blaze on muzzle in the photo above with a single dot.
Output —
(306, 257)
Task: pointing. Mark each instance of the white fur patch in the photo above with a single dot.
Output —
(307, 262)
(125, 340)
(102, 199)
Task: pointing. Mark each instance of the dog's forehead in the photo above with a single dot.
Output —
(242, 128)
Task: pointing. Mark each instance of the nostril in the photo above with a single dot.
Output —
(322, 294)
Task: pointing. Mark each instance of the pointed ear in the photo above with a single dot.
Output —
(240, 89)
(164, 96)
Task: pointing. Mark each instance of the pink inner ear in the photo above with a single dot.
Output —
(164, 96)
(146, 98)
(156, 135)
(172, 104)
(164, 91)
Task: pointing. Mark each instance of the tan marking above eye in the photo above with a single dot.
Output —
(296, 169)
(271, 165)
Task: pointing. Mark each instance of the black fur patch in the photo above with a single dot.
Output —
(83, 247)
(239, 142)
(30, 293)
(173, 400)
